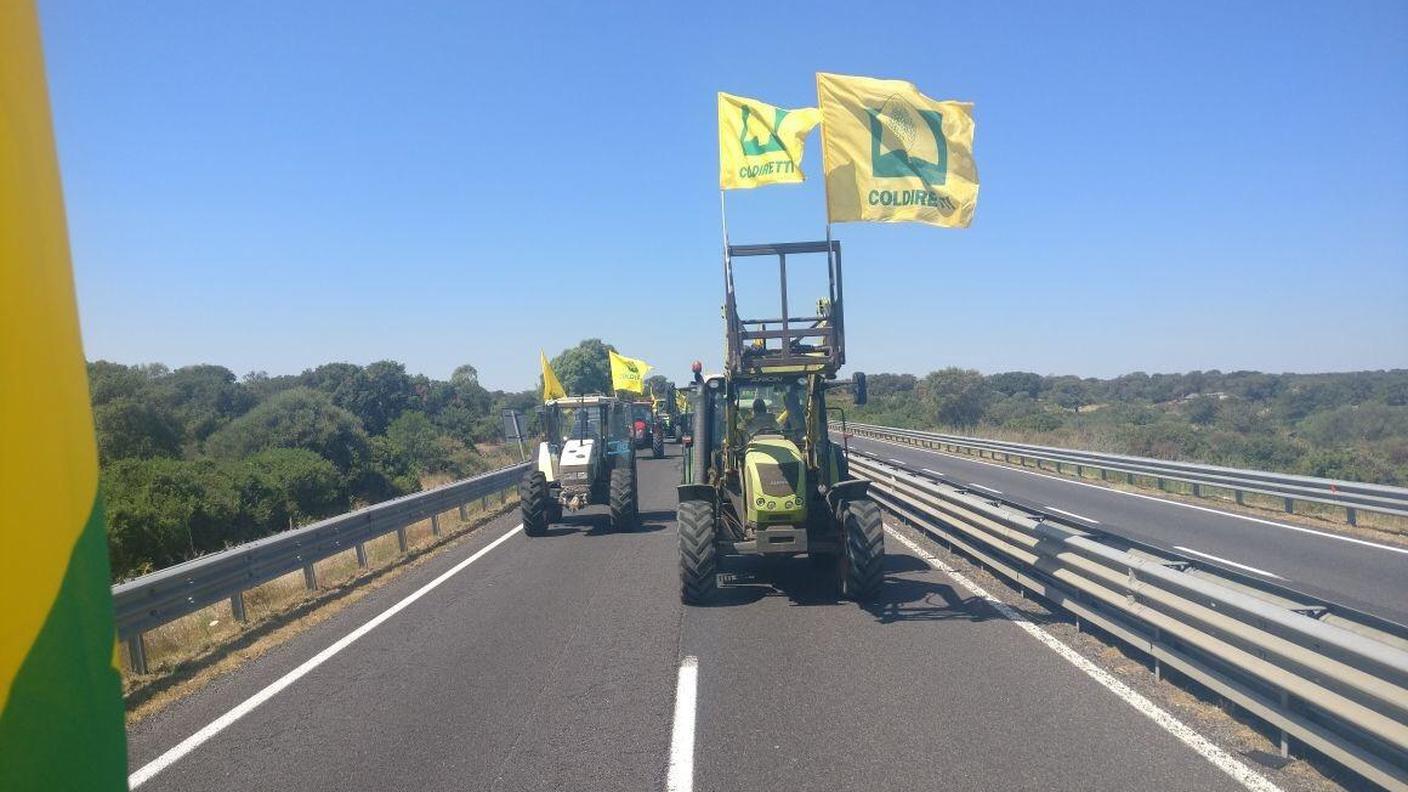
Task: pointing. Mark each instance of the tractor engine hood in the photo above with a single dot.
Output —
(577, 462)
(775, 481)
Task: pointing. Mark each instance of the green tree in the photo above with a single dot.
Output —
(585, 368)
(204, 398)
(297, 418)
(1070, 392)
(283, 487)
(413, 439)
(1011, 383)
(108, 381)
(957, 397)
(376, 394)
(161, 511)
(129, 427)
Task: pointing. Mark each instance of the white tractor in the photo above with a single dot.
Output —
(587, 458)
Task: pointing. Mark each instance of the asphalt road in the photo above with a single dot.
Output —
(551, 663)
(1370, 576)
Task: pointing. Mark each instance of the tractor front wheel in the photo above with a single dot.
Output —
(865, 549)
(698, 558)
(533, 500)
(624, 510)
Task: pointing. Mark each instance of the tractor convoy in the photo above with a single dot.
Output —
(761, 473)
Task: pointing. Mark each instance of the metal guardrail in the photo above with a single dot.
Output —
(165, 595)
(1352, 496)
(1330, 677)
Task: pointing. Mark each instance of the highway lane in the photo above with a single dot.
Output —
(547, 664)
(1367, 576)
(551, 664)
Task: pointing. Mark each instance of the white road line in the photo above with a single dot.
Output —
(1249, 518)
(898, 461)
(985, 489)
(1071, 514)
(1203, 746)
(1219, 560)
(932, 472)
(150, 769)
(681, 775)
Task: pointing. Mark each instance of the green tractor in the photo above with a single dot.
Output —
(762, 474)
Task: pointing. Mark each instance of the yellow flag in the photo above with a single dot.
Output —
(628, 374)
(759, 143)
(681, 402)
(60, 694)
(892, 154)
(552, 389)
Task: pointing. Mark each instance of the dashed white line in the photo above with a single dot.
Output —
(1212, 557)
(1249, 518)
(985, 489)
(1204, 747)
(150, 769)
(932, 472)
(1072, 514)
(898, 461)
(681, 775)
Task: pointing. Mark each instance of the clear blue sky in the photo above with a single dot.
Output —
(273, 185)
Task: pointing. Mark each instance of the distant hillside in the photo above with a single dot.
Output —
(1351, 425)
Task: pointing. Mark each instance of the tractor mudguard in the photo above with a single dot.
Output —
(696, 492)
(850, 489)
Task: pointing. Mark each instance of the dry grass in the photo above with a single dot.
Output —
(185, 654)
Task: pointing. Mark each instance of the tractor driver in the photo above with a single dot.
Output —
(761, 420)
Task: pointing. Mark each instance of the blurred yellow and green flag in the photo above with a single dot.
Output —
(681, 401)
(760, 143)
(61, 721)
(892, 154)
(552, 389)
(628, 374)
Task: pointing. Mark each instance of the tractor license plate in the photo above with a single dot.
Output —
(782, 540)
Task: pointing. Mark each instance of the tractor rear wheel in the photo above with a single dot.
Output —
(624, 511)
(657, 444)
(533, 500)
(698, 558)
(865, 549)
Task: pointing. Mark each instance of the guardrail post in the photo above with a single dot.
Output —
(1351, 516)
(1197, 490)
(237, 606)
(464, 512)
(310, 578)
(1160, 483)
(1158, 666)
(361, 554)
(401, 538)
(484, 503)
(434, 525)
(1104, 474)
(1129, 479)
(1237, 496)
(137, 654)
(503, 496)
(1080, 471)
(1290, 506)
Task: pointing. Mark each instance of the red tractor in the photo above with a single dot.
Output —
(646, 431)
